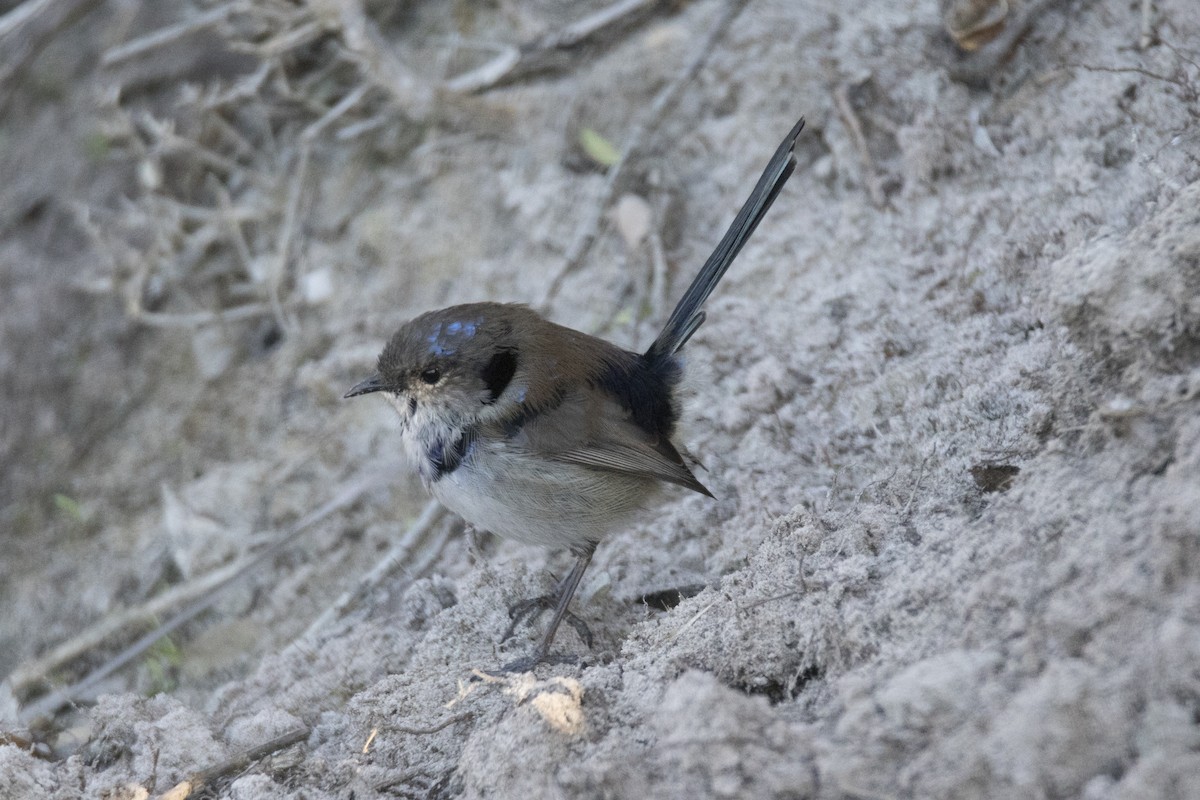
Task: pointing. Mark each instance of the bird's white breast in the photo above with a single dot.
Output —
(537, 500)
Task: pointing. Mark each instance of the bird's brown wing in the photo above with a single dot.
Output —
(595, 431)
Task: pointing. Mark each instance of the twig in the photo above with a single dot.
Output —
(774, 598)
(25, 677)
(286, 234)
(399, 554)
(295, 191)
(642, 124)
(379, 62)
(841, 97)
(243, 89)
(279, 45)
(1190, 92)
(658, 278)
(534, 56)
(167, 141)
(28, 27)
(1147, 36)
(238, 762)
(159, 319)
(594, 23)
(917, 486)
(335, 112)
(237, 140)
(207, 214)
(692, 621)
(23, 15)
(232, 225)
(164, 36)
(488, 74)
(353, 130)
(446, 723)
(201, 594)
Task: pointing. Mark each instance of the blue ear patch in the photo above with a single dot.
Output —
(445, 338)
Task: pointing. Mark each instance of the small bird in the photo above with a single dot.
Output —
(544, 434)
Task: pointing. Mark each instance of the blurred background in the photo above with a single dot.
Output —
(947, 396)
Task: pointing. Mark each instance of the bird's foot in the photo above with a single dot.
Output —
(532, 608)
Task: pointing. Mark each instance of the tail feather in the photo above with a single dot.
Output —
(688, 316)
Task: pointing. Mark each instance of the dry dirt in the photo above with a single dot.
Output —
(947, 399)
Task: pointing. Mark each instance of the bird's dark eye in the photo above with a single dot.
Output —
(431, 375)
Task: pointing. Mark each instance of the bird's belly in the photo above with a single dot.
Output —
(538, 501)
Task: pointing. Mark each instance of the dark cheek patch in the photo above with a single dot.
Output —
(498, 373)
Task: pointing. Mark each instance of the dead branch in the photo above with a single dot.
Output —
(399, 554)
(642, 125)
(446, 723)
(200, 594)
(29, 27)
(513, 62)
(237, 763)
(1146, 38)
(198, 319)
(841, 97)
(165, 36)
(379, 63)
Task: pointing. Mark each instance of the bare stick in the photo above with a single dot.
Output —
(870, 175)
(238, 762)
(533, 56)
(167, 141)
(399, 554)
(1147, 37)
(291, 39)
(917, 486)
(25, 677)
(286, 234)
(487, 75)
(164, 36)
(231, 224)
(27, 28)
(692, 621)
(335, 112)
(658, 280)
(200, 593)
(645, 122)
(159, 319)
(773, 599)
(446, 723)
(379, 63)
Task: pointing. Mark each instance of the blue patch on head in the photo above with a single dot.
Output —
(435, 342)
(443, 342)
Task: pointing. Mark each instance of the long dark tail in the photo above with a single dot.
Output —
(688, 316)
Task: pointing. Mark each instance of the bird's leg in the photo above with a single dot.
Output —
(559, 603)
(532, 608)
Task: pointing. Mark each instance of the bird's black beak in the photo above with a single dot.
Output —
(371, 384)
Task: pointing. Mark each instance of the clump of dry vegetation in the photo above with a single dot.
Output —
(947, 399)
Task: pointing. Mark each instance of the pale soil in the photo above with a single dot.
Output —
(954, 439)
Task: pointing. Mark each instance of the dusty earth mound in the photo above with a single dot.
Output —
(947, 398)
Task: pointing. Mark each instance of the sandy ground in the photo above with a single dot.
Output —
(947, 400)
